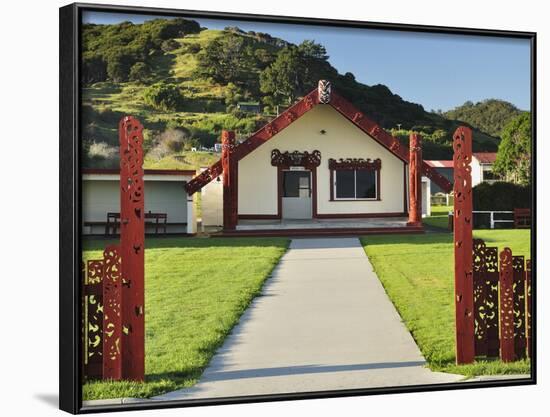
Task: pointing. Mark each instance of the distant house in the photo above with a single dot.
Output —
(250, 107)
(217, 147)
(482, 169)
(164, 194)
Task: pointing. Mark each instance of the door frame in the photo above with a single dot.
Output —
(313, 171)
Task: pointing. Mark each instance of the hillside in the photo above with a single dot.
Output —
(489, 116)
(184, 83)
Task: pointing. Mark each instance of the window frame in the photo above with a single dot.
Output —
(334, 195)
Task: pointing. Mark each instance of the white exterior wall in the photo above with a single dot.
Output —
(477, 174)
(100, 196)
(212, 203)
(426, 200)
(258, 179)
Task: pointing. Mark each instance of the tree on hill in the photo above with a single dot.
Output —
(489, 116)
(295, 72)
(514, 152)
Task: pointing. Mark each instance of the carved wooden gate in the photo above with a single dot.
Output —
(492, 289)
(113, 290)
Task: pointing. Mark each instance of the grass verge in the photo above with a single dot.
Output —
(195, 291)
(417, 273)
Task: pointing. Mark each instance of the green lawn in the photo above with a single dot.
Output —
(417, 273)
(439, 217)
(195, 291)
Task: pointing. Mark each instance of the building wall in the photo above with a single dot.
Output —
(212, 203)
(102, 196)
(258, 179)
(477, 175)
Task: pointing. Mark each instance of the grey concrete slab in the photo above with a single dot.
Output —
(322, 322)
(344, 223)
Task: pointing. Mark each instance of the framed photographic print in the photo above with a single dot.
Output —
(257, 208)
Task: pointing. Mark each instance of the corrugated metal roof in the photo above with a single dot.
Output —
(485, 157)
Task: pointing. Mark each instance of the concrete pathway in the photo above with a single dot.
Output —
(323, 322)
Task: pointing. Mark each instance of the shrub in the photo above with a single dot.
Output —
(194, 48)
(139, 72)
(501, 196)
(166, 97)
(169, 45)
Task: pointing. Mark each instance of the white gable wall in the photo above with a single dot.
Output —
(257, 187)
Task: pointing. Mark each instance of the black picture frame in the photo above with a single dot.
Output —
(70, 391)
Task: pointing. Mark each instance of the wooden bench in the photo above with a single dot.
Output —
(522, 218)
(159, 221)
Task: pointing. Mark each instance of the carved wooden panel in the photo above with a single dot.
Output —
(355, 164)
(112, 319)
(295, 158)
(93, 319)
(506, 306)
(485, 275)
(520, 338)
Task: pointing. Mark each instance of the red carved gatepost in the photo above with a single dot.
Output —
(132, 236)
(229, 165)
(464, 291)
(415, 180)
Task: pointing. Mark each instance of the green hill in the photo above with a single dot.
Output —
(185, 82)
(489, 116)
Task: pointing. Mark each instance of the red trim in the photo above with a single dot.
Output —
(259, 217)
(322, 232)
(345, 108)
(359, 215)
(314, 193)
(279, 192)
(405, 188)
(116, 171)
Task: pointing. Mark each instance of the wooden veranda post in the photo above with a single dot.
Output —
(415, 180)
(229, 165)
(463, 246)
(132, 237)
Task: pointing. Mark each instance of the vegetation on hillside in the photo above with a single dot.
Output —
(489, 116)
(176, 76)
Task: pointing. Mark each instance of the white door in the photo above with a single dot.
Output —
(296, 197)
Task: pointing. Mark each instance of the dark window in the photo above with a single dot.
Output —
(294, 181)
(356, 184)
(345, 184)
(365, 181)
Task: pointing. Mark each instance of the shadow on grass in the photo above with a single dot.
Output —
(99, 243)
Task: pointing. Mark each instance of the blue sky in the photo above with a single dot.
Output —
(437, 71)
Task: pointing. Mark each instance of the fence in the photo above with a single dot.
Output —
(502, 303)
